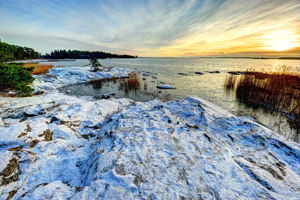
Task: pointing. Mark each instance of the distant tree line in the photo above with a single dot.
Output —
(76, 54)
(9, 52)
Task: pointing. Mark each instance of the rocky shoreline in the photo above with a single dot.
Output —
(56, 146)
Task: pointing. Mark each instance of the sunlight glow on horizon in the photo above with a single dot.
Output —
(281, 40)
(155, 28)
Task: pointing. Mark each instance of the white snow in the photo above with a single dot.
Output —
(59, 77)
(121, 149)
(166, 86)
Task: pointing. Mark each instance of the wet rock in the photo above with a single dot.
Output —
(236, 72)
(183, 74)
(105, 96)
(214, 72)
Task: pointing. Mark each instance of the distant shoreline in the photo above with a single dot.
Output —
(262, 58)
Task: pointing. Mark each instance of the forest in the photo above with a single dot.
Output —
(9, 52)
(77, 54)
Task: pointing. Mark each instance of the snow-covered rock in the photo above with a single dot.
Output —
(1, 123)
(59, 77)
(33, 110)
(82, 148)
(166, 86)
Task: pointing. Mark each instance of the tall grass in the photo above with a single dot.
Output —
(230, 82)
(278, 91)
(38, 68)
(131, 84)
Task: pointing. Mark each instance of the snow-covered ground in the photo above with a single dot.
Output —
(55, 146)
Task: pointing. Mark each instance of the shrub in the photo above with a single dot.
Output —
(95, 64)
(15, 77)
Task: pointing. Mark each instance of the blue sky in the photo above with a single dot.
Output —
(153, 28)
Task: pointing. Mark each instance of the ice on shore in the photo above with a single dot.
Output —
(55, 146)
(166, 86)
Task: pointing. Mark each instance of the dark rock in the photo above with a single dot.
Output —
(11, 172)
(33, 143)
(214, 72)
(207, 137)
(235, 72)
(17, 148)
(47, 135)
(11, 194)
(39, 92)
(54, 120)
(182, 74)
(105, 96)
(200, 73)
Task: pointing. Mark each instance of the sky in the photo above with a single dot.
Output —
(155, 28)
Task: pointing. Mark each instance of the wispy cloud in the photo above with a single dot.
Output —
(148, 28)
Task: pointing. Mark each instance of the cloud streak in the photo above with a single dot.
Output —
(148, 28)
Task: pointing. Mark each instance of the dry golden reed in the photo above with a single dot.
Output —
(278, 90)
(38, 68)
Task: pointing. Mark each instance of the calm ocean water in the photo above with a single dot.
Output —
(208, 86)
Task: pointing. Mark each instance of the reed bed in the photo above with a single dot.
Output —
(38, 68)
(278, 91)
(133, 82)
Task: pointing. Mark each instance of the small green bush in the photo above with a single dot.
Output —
(95, 64)
(15, 77)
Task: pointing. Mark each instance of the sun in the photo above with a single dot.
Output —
(282, 44)
(281, 41)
